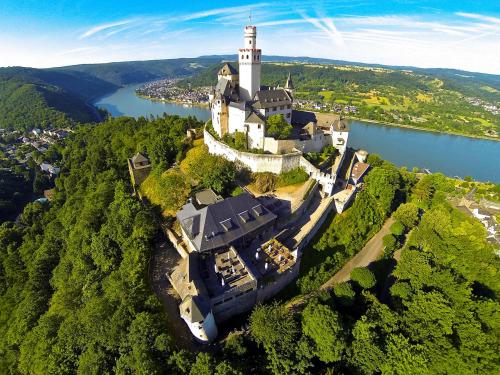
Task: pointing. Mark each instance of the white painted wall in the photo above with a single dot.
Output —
(236, 120)
(204, 332)
(339, 140)
(255, 135)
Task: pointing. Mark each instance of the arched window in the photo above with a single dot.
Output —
(247, 57)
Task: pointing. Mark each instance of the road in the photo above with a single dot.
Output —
(370, 252)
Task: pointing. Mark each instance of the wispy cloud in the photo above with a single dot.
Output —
(221, 11)
(74, 51)
(479, 17)
(327, 26)
(105, 26)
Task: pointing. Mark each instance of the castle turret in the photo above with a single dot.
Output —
(289, 84)
(249, 59)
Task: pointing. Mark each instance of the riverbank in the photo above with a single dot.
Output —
(329, 116)
(173, 101)
(485, 137)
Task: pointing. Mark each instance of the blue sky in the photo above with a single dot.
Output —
(456, 34)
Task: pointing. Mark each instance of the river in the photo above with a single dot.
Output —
(450, 154)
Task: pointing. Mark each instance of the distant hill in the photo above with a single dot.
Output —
(32, 97)
(39, 97)
(129, 72)
(28, 98)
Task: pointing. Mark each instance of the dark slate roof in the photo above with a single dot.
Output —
(225, 88)
(222, 223)
(139, 158)
(271, 98)
(195, 308)
(341, 125)
(227, 69)
(255, 118)
(206, 197)
(303, 117)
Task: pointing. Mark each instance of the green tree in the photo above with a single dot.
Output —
(324, 327)
(363, 277)
(397, 228)
(204, 365)
(407, 213)
(344, 293)
(277, 127)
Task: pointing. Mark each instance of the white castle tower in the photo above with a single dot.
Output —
(249, 59)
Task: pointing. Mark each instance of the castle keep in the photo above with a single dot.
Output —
(240, 104)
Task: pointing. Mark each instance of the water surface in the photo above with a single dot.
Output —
(450, 154)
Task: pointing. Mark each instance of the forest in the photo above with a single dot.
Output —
(74, 293)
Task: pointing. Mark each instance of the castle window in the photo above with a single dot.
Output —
(274, 108)
(282, 107)
(247, 57)
(249, 42)
(289, 106)
(242, 57)
(257, 57)
(258, 126)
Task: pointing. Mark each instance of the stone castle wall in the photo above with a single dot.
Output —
(255, 162)
(270, 163)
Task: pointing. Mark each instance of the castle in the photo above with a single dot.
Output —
(236, 252)
(240, 104)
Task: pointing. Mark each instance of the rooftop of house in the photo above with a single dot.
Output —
(271, 98)
(139, 160)
(194, 308)
(207, 197)
(272, 258)
(344, 195)
(358, 170)
(227, 69)
(340, 125)
(220, 224)
(225, 271)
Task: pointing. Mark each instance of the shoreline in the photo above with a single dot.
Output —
(412, 127)
(393, 124)
(181, 102)
(473, 136)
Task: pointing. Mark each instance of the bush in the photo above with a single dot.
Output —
(397, 228)
(391, 244)
(363, 277)
(344, 294)
(237, 191)
(264, 181)
(292, 177)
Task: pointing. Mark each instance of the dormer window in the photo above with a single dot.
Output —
(258, 210)
(227, 224)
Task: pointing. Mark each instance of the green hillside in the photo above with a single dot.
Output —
(434, 99)
(25, 104)
(128, 72)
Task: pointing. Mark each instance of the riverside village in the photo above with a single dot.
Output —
(232, 253)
